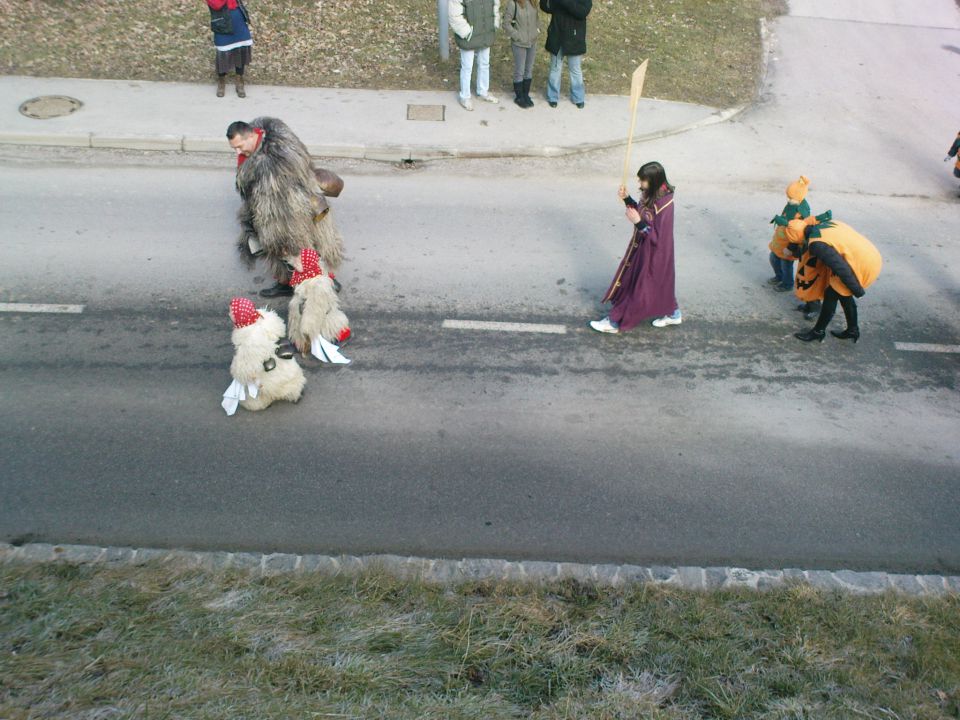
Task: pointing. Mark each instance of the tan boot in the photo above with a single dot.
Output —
(241, 92)
(221, 85)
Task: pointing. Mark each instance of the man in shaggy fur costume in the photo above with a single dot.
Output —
(284, 206)
(316, 320)
(261, 371)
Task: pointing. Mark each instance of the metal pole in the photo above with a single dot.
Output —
(443, 27)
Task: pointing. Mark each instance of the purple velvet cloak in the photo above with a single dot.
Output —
(645, 284)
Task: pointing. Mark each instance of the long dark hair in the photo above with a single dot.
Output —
(657, 183)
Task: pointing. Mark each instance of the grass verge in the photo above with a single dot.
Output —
(161, 641)
(703, 51)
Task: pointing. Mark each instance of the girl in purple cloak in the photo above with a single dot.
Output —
(645, 282)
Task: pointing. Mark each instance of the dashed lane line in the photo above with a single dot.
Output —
(926, 347)
(504, 326)
(40, 308)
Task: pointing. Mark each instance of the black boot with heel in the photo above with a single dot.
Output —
(810, 335)
(848, 334)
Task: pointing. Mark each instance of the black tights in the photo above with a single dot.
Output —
(829, 307)
(238, 70)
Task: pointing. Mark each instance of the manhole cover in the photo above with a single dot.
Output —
(426, 112)
(50, 106)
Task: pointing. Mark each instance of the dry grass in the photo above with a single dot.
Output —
(704, 51)
(159, 642)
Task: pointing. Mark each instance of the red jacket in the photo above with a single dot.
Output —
(218, 4)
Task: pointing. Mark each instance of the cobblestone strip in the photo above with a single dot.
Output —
(455, 571)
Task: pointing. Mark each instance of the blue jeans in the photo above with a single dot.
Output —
(483, 71)
(577, 92)
(782, 270)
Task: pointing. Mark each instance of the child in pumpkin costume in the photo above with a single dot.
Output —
(849, 263)
(781, 259)
(953, 153)
(316, 320)
(262, 372)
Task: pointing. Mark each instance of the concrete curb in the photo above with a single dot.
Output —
(383, 153)
(458, 571)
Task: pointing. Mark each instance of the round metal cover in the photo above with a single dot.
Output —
(50, 106)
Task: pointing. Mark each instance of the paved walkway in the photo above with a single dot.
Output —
(369, 124)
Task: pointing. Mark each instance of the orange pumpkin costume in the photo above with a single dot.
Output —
(846, 264)
(850, 262)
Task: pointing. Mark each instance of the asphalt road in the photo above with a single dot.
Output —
(724, 441)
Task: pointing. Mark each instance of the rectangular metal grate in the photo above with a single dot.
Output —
(436, 113)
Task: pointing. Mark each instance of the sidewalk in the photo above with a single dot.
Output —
(367, 124)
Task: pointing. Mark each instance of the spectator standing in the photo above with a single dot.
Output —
(474, 24)
(234, 44)
(521, 20)
(566, 38)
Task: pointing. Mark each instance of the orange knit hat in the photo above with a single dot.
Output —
(797, 191)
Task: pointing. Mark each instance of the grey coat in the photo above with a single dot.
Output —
(522, 23)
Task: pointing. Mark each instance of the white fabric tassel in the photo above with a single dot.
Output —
(326, 351)
(236, 393)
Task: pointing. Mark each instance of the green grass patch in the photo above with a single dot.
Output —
(704, 51)
(162, 641)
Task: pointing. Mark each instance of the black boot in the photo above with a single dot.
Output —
(526, 93)
(279, 289)
(518, 94)
(810, 335)
(848, 334)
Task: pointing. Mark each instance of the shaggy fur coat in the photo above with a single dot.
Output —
(281, 202)
(315, 311)
(253, 345)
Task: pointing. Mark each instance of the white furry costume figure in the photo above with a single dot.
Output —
(260, 376)
(316, 320)
(284, 209)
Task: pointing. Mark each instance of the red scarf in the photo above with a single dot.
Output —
(311, 267)
(241, 159)
(243, 312)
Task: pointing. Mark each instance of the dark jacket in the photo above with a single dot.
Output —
(568, 25)
(954, 151)
(840, 267)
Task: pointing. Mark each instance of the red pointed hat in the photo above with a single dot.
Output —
(243, 312)
(311, 267)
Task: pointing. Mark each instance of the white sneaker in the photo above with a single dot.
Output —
(466, 104)
(489, 98)
(674, 319)
(604, 326)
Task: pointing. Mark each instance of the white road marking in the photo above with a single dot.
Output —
(504, 326)
(926, 347)
(40, 308)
